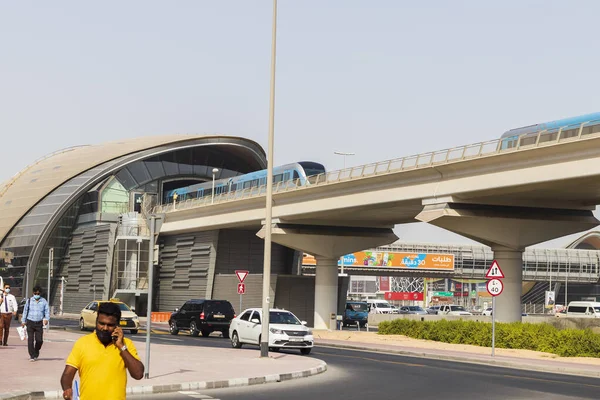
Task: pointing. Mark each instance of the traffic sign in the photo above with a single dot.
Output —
(443, 294)
(494, 271)
(241, 288)
(495, 287)
(241, 275)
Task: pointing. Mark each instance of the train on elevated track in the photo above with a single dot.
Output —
(568, 127)
(295, 174)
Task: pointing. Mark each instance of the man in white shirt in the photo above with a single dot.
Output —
(8, 309)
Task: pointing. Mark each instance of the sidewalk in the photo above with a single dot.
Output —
(172, 368)
(513, 358)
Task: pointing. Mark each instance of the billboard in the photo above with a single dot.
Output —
(414, 296)
(375, 259)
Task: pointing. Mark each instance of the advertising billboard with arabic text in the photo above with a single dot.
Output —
(393, 260)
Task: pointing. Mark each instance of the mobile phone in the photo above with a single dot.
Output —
(114, 338)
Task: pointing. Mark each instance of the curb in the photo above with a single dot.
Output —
(166, 388)
(565, 370)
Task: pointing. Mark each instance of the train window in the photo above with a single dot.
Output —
(569, 133)
(277, 178)
(262, 181)
(254, 182)
(234, 187)
(247, 184)
(192, 195)
(200, 193)
(296, 175)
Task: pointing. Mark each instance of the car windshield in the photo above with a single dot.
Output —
(283, 317)
(357, 307)
(597, 309)
(457, 308)
(383, 305)
(123, 307)
(415, 308)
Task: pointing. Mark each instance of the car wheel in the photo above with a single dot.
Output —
(205, 333)
(225, 334)
(81, 324)
(305, 352)
(173, 328)
(235, 341)
(133, 331)
(194, 329)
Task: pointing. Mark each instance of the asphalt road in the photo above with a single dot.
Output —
(356, 375)
(365, 375)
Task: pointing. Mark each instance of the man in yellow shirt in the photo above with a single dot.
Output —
(102, 359)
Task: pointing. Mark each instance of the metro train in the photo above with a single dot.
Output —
(286, 173)
(569, 127)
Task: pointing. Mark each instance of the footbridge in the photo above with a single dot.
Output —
(542, 188)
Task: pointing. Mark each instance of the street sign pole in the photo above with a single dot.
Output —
(239, 312)
(493, 325)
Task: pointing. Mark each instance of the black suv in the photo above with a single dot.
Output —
(202, 316)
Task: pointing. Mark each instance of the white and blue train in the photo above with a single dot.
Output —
(568, 127)
(299, 171)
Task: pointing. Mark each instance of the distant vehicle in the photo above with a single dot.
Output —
(129, 319)
(568, 127)
(583, 309)
(356, 312)
(295, 174)
(433, 310)
(202, 316)
(380, 307)
(412, 310)
(477, 310)
(488, 312)
(451, 309)
(286, 331)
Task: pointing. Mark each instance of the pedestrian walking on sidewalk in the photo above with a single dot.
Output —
(36, 315)
(102, 359)
(8, 310)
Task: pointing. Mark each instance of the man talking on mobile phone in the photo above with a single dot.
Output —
(102, 359)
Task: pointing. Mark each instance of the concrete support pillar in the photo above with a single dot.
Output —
(326, 282)
(508, 304)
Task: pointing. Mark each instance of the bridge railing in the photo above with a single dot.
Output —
(424, 160)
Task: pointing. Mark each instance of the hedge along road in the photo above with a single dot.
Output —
(359, 375)
(538, 337)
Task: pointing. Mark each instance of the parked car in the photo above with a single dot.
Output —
(129, 319)
(286, 331)
(356, 312)
(451, 309)
(380, 307)
(202, 316)
(412, 310)
(487, 311)
(433, 310)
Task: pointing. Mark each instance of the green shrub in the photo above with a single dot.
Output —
(516, 335)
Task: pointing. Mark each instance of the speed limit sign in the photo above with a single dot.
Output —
(495, 287)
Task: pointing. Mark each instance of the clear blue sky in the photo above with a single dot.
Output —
(383, 79)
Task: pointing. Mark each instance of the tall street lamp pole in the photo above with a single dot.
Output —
(341, 153)
(264, 341)
(214, 172)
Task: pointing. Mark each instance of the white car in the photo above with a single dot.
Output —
(487, 312)
(286, 331)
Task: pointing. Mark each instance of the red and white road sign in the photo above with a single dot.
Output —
(494, 271)
(241, 288)
(241, 274)
(495, 287)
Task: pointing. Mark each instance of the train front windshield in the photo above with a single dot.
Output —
(312, 168)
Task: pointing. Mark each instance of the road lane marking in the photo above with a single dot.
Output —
(374, 359)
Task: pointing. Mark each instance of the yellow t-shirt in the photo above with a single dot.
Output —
(102, 371)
